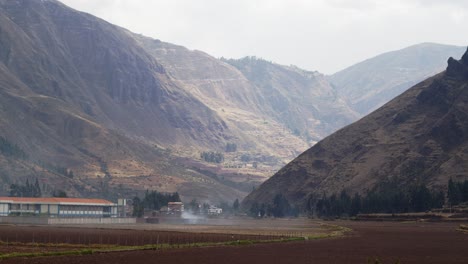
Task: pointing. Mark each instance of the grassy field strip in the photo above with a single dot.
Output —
(54, 245)
(45, 254)
(333, 231)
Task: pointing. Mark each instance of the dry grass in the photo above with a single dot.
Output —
(463, 228)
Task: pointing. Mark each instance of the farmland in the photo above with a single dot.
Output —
(239, 241)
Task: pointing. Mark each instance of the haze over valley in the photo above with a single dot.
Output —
(242, 131)
(93, 108)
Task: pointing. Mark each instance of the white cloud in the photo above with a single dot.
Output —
(324, 35)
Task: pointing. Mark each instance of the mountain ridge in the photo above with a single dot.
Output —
(127, 113)
(370, 83)
(83, 95)
(418, 137)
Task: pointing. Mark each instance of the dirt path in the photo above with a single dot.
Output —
(408, 242)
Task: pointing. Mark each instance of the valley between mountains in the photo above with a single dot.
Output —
(92, 109)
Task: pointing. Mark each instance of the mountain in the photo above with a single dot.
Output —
(94, 109)
(419, 137)
(303, 101)
(99, 110)
(227, 92)
(253, 95)
(370, 84)
(80, 94)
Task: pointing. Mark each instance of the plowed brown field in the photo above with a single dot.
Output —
(412, 242)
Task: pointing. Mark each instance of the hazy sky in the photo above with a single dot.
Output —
(323, 35)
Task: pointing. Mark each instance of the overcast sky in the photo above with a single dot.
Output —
(323, 35)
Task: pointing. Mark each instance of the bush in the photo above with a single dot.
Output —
(211, 156)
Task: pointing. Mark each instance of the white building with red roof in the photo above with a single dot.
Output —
(57, 207)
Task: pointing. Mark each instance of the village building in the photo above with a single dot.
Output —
(175, 207)
(213, 210)
(57, 207)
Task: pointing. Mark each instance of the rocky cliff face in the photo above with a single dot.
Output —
(101, 70)
(373, 82)
(419, 137)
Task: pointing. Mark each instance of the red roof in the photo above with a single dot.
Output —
(54, 200)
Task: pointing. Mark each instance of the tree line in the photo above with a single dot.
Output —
(10, 149)
(211, 156)
(388, 197)
(231, 147)
(385, 197)
(279, 207)
(197, 207)
(26, 190)
(32, 190)
(153, 200)
(457, 192)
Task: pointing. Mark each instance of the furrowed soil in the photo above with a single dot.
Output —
(408, 242)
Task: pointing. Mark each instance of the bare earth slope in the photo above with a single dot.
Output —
(420, 136)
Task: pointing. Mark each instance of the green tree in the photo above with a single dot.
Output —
(254, 210)
(214, 157)
(438, 199)
(36, 190)
(9, 149)
(155, 200)
(231, 147)
(421, 198)
(235, 205)
(355, 205)
(453, 193)
(194, 206)
(59, 193)
(245, 157)
(26, 190)
(464, 191)
(281, 206)
(138, 208)
(386, 197)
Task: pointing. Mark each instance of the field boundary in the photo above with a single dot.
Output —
(65, 220)
(81, 249)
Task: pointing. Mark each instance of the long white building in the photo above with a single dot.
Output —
(57, 207)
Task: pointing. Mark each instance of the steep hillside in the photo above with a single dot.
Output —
(100, 70)
(303, 101)
(373, 82)
(226, 91)
(251, 91)
(80, 94)
(419, 137)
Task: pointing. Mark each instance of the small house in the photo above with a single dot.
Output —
(213, 210)
(175, 207)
